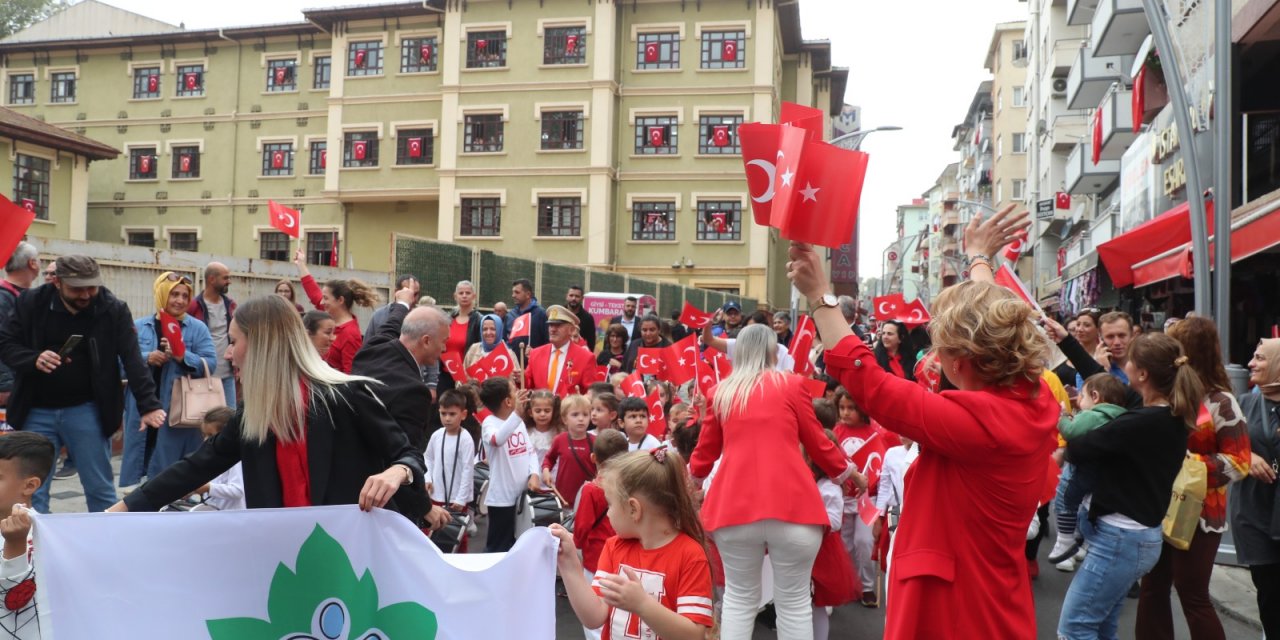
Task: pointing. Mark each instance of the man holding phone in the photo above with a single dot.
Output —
(63, 343)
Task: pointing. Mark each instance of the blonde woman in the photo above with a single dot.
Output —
(958, 568)
(763, 495)
(299, 415)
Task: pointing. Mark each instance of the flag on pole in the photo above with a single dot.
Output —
(693, 317)
(633, 386)
(452, 364)
(801, 344)
(333, 254)
(520, 328)
(1006, 278)
(317, 572)
(649, 361)
(680, 360)
(657, 417)
(285, 220)
(498, 363)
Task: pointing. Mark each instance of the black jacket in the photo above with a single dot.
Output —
(9, 293)
(1137, 456)
(112, 342)
(586, 327)
(349, 438)
(403, 391)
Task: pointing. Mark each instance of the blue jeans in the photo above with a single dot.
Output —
(1117, 558)
(1074, 484)
(80, 431)
(172, 445)
(229, 390)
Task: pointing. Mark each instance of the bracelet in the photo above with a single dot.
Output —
(973, 262)
(979, 258)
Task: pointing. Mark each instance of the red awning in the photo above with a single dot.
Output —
(1249, 236)
(1158, 236)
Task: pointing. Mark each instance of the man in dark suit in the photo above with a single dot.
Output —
(586, 322)
(406, 342)
(629, 320)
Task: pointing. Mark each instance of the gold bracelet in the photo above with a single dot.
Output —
(974, 263)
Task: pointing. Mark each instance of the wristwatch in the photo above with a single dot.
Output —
(825, 300)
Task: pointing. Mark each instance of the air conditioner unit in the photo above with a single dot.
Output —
(1059, 87)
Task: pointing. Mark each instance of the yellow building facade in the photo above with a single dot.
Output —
(594, 133)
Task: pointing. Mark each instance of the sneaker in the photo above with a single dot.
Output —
(67, 471)
(1084, 551)
(1034, 529)
(1067, 566)
(869, 600)
(1065, 547)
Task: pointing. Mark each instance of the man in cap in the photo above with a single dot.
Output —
(732, 323)
(560, 365)
(65, 343)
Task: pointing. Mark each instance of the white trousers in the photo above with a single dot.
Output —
(860, 544)
(792, 550)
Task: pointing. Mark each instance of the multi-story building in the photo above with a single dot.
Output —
(1007, 63)
(599, 134)
(906, 257)
(943, 259)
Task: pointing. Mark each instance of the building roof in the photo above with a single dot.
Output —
(1003, 27)
(91, 19)
(324, 18)
(17, 126)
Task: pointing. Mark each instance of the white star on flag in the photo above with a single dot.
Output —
(786, 177)
(493, 370)
(809, 192)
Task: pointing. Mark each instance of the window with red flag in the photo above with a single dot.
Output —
(190, 80)
(142, 163)
(318, 157)
(414, 147)
(723, 50)
(719, 220)
(146, 83)
(657, 135)
(31, 184)
(719, 134)
(277, 159)
(360, 149)
(653, 221)
(186, 162)
(564, 45)
(418, 55)
(486, 49)
(281, 76)
(658, 51)
(364, 58)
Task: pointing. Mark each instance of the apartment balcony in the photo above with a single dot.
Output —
(1091, 77)
(1118, 28)
(1067, 130)
(1064, 55)
(1084, 177)
(1080, 12)
(1117, 123)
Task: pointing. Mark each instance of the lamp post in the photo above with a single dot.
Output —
(853, 140)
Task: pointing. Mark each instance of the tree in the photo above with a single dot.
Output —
(16, 15)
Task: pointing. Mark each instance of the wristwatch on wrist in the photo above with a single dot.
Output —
(825, 300)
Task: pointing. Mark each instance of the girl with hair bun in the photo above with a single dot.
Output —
(337, 298)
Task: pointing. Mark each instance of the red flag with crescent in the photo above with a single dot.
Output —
(707, 379)
(729, 50)
(649, 361)
(520, 328)
(191, 81)
(681, 360)
(451, 362)
(657, 136)
(171, 330)
(424, 53)
(153, 84)
(287, 221)
(14, 222)
(497, 363)
(719, 362)
(720, 135)
(657, 417)
(693, 317)
(801, 344)
(633, 386)
(360, 56)
(651, 52)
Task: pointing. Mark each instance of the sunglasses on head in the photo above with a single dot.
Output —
(173, 277)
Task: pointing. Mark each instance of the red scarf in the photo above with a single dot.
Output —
(291, 461)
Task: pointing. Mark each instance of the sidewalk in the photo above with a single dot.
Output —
(1233, 595)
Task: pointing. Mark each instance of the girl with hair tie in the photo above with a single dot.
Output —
(337, 298)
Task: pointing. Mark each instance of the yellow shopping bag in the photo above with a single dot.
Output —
(1183, 516)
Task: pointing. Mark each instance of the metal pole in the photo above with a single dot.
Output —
(1034, 178)
(1222, 126)
(1159, 22)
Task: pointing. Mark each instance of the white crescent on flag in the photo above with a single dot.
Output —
(288, 219)
(172, 327)
(642, 363)
(882, 310)
(451, 366)
(637, 389)
(504, 360)
(916, 315)
(771, 170)
(690, 352)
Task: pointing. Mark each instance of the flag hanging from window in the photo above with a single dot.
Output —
(324, 158)
(571, 44)
(153, 84)
(1097, 136)
(192, 81)
(184, 163)
(144, 164)
(1062, 200)
(720, 135)
(360, 57)
(277, 159)
(333, 255)
(29, 204)
(651, 52)
(482, 44)
(1139, 102)
(282, 75)
(359, 149)
(657, 136)
(651, 220)
(424, 53)
(718, 220)
(415, 147)
(729, 50)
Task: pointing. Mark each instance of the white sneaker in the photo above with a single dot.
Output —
(1064, 548)
(1084, 550)
(1034, 529)
(1066, 566)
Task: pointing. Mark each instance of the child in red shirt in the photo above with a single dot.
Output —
(655, 569)
(571, 449)
(855, 431)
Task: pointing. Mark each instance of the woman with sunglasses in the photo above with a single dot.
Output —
(150, 452)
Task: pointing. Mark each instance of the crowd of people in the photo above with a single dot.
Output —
(936, 457)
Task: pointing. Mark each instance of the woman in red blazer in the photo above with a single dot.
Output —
(763, 494)
(957, 569)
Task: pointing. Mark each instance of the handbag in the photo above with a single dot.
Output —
(193, 397)
(1183, 516)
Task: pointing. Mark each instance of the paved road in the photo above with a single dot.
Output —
(851, 622)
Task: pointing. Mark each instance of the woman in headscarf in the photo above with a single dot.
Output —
(490, 337)
(1255, 503)
(146, 454)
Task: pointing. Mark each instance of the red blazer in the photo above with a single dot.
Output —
(958, 568)
(576, 378)
(763, 475)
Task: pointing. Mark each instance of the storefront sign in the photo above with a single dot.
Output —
(1080, 267)
(1044, 209)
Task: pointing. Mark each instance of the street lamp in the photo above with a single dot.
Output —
(853, 140)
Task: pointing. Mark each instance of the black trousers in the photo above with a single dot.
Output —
(1266, 577)
(502, 529)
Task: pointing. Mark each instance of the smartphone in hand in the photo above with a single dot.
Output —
(70, 345)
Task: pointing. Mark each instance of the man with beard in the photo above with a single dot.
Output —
(215, 309)
(65, 343)
(586, 323)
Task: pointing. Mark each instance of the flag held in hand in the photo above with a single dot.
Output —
(497, 363)
(1006, 278)
(451, 362)
(171, 330)
(680, 360)
(649, 361)
(657, 416)
(633, 386)
(520, 328)
(285, 220)
(693, 317)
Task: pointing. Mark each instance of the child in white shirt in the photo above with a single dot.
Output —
(635, 424)
(512, 464)
(451, 455)
(226, 491)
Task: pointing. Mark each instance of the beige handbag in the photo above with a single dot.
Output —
(1183, 517)
(193, 397)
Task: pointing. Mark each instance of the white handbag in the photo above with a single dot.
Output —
(193, 397)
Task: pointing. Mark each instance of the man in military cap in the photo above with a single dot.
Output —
(560, 365)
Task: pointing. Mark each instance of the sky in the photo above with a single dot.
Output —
(918, 74)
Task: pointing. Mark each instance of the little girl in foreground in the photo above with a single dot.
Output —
(656, 568)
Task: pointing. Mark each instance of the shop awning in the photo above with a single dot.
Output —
(1157, 237)
(1250, 235)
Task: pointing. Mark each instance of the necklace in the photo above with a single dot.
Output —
(450, 483)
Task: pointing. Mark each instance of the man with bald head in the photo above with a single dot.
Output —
(407, 341)
(215, 309)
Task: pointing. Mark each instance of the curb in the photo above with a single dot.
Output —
(1224, 605)
(1252, 622)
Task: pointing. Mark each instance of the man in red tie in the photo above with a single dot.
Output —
(560, 365)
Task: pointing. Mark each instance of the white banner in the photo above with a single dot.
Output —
(326, 573)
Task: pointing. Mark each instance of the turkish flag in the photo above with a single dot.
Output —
(324, 158)
(14, 222)
(820, 205)
(816, 388)
(571, 44)
(801, 344)
(651, 52)
(282, 75)
(520, 328)
(681, 360)
(1015, 248)
(192, 82)
(633, 386)
(1062, 200)
(869, 458)
(769, 154)
(144, 164)
(184, 163)
(415, 147)
(729, 50)
(153, 84)
(719, 362)
(360, 56)
(720, 135)
(277, 159)
(657, 136)
(867, 511)
(424, 53)
(481, 45)
(29, 204)
(497, 363)
(451, 362)
(693, 317)
(1139, 105)
(807, 118)
(718, 220)
(171, 330)
(1006, 278)
(333, 253)
(888, 307)
(1062, 259)
(657, 417)
(1097, 136)
(359, 149)
(707, 378)
(287, 221)
(915, 314)
(649, 361)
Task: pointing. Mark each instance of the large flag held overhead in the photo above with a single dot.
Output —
(322, 572)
